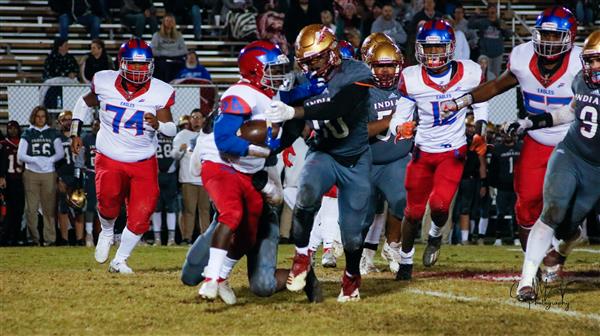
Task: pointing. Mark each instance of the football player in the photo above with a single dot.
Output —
(133, 108)
(573, 175)
(167, 184)
(544, 68)
(390, 157)
(438, 157)
(339, 153)
(89, 181)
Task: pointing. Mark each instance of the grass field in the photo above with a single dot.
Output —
(63, 291)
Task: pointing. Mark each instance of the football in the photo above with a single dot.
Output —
(255, 131)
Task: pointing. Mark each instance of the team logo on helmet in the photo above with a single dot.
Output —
(554, 32)
(435, 44)
(136, 63)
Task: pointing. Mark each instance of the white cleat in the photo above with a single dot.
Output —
(338, 249)
(103, 248)
(498, 242)
(119, 267)
(209, 289)
(366, 262)
(392, 255)
(226, 292)
(328, 260)
(171, 242)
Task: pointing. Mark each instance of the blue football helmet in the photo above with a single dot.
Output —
(554, 32)
(136, 63)
(346, 49)
(263, 64)
(435, 33)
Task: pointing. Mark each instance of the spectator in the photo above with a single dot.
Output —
(89, 145)
(369, 10)
(40, 148)
(327, 19)
(387, 24)
(79, 11)
(188, 11)
(169, 50)
(240, 18)
(60, 63)
(194, 194)
(347, 18)
(428, 13)
(301, 14)
(460, 23)
(584, 11)
(483, 63)
(192, 68)
(403, 12)
(352, 35)
(461, 48)
(279, 6)
(270, 27)
(491, 38)
(11, 183)
(137, 13)
(96, 60)
(167, 182)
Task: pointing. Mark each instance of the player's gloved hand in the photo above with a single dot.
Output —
(285, 155)
(405, 131)
(317, 84)
(279, 112)
(271, 141)
(479, 145)
(518, 127)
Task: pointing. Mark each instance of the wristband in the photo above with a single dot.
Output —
(463, 101)
(75, 128)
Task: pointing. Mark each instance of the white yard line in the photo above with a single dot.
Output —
(575, 250)
(512, 303)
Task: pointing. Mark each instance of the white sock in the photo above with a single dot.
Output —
(464, 235)
(227, 267)
(483, 224)
(171, 219)
(316, 236)
(157, 236)
(374, 234)
(89, 228)
(215, 263)
(538, 243)
(407, 258)
(434, 230)
(171, 235)
(302, 250)
(156, 221)
(471, 225)
(107, 225)
(128, 242)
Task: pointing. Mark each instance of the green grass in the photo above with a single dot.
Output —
(63, 291)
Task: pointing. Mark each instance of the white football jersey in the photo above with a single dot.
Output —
(242, 99)
(436, 135)
(542, 95)
(123, 136)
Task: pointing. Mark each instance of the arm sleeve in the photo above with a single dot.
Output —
(326, 108)
(226, 126)
(292, 129)
(22, 155)
(177, 142)
(59, 151)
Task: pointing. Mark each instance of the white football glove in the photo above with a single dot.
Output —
(279, 112)
(518, 127)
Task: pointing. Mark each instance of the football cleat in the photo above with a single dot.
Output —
(498, 242)
(103, 248)
(209, 289)
(119, 267)
(526, 294)
(157, 242)
(328, 259)
(553, 266)
(300, 267)
(366, 262)
(350, 286)
(171, 242)
(404, 272)
(226, 292)
(432, 251)
(89, 240)
(392, 255)
(313, 290)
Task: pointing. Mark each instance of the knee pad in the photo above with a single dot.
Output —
(307, 196)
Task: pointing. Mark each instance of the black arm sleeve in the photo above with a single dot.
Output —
(326, 108)
(292, 129)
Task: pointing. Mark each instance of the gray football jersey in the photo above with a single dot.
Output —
(382, 103)
(583, 137)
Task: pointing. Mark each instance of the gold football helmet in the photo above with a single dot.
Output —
(590, 59)
(385, 61)
(316, 50)
(76, 199)
(372, 39)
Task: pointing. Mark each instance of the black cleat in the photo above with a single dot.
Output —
(404, 272)
(432, 251)
(526, 294)
(313, 290)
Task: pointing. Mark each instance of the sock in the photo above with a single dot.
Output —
(353, 261)
(302, 250)
(464, 235)
(374, 234)
(171, 219)
(156, 222)
(215, 263)
(89, 228)
(227, 267)
(538, 242)
(171, 235)
(107, 225)
(370, 246)
(407, 258)
(128, 242)
(471, 226)
(483, 224)
(434, 230)
(157, 236)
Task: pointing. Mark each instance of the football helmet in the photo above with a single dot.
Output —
(136, 63)
(435, 33)
(264, 65)
(381, 55)
(372, 39)
(346, 49)
(76, 198)
(316, 50)
(590, 56)
(554, 32)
